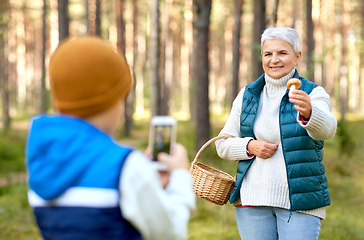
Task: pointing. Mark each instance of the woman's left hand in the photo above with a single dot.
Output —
(302, 101)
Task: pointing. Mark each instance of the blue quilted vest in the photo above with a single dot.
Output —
(307, 182)
(66, 153)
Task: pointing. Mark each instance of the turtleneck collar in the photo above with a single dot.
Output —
(278, 83)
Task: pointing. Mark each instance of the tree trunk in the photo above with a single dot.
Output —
(120, 28)
(331, 72)
(186, 67)
(259, 27)
(63, 19)
(310, 42)
(98, 18)
(323, 45)
(120, 25)
(275, 13)
(4, 76)
(193, 81)
(361, 63)
(44, 93)
(129, 100)
(86, 19)
(168, 57)
(26, 92)
(236, 50)
(200, 75)
(4, 87)
(155, 93)
(294, 13)
(343, 64)
(176, 102)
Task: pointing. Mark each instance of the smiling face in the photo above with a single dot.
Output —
(278, 58)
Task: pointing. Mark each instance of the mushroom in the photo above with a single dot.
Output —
(293, 83)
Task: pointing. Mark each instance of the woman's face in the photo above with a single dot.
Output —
(278, 58)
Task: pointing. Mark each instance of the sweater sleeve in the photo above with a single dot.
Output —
(156, 212)
(322, 124)
(233, 149)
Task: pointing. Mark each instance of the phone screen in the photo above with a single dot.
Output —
(162, 139)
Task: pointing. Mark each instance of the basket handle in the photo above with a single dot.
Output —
(223, 136)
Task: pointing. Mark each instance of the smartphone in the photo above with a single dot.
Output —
(162, 135)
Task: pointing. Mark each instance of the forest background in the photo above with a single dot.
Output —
(188, 59)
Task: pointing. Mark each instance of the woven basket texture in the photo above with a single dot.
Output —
(210, 183)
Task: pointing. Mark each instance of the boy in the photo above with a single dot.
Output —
(82, 183)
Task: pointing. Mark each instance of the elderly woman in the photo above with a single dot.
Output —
(281, 189)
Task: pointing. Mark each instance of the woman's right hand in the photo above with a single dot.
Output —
(261, 149)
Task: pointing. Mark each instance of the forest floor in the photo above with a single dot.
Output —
(344, 161)
(13, 178)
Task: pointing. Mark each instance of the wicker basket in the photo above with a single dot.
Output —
(209, 183)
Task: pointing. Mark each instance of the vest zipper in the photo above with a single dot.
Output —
(284, 156)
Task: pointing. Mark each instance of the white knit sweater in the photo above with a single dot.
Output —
(265, 184)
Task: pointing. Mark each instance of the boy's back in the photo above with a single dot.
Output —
(83, 184)
(75, 170)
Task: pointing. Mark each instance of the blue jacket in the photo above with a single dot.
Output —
(74, 171)
(307, 182)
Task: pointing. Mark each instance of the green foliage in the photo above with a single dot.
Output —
(16, 219)
(213, 222)
(12, 152)
(350, 136)
(346, 142)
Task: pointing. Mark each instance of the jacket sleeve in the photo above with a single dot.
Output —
(233, 149)
(322, 124)
(156, 212)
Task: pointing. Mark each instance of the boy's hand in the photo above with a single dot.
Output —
(177, 160)
(302, 101)
(148, 152)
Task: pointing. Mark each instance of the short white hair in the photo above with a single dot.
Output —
(287, 34)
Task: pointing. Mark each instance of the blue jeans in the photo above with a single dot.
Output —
(270, 223)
